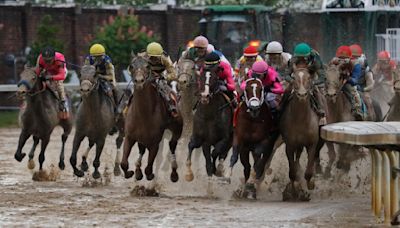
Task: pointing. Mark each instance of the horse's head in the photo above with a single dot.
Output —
(254, 95)
(139, 70)
(88, 79)
(302, 83)
(27, 82)
(332, 83)
(208, 84)
(186, 72)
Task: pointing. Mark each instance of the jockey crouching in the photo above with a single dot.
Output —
(105, 71)
(51, 66)
(198, 52)
(276, 58)
(160, 62)
(366, 82)
(223, 69)
(272, 85)
(243, 65)
(343, 55)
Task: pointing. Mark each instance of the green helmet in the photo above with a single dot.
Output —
(302, 49)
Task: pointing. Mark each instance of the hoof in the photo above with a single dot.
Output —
(129, 174)
(304, 196)
(139, 174)
(189, 177)
(31, 164)
(174, 176)
(219, 172)
(79, 173)
(150, 176)
(311, 185)
(84, 166)
(117, 170)
(61, 165)
(19, 156)
(250, 190)
(96, 175)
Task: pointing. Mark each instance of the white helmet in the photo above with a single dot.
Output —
(210, 48)
(274, 47)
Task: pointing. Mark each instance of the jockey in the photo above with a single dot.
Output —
(308, 58)
(104, 69)
(343, 56)
(276, 58)
(384, 68)
(51, 66)
(250, 55)
(211, 48)
(270, 79)
(198, 52)
(366, 82)
(224, 73)
(160, 62)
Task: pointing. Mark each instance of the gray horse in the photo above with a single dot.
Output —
(40, 117)
(95, 119)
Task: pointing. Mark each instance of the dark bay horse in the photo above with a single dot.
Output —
(212, 125)
(299, 126)
(40, 117)
(95, 118)
(340, 110)
(255, 131)
(146, 121)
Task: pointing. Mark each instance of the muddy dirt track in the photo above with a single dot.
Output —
(339, 202)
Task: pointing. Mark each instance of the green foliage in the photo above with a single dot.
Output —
(122, 35)
(8, 119)
(46, 35)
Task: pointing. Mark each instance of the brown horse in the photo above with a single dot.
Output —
(340, 110)
(255, 131)
(95, 118)
(212, 125)
(299, 127)
(146, 121)
(40, 117)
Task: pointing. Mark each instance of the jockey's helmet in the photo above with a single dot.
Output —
(302, 50)
(259, 68)
(200, 42)
(97, 50)
(274, 47)
(356, 50)
(250, 51)
(154, 49)
(384, 55)
(48, 54)
(211, 60)
(343, 52)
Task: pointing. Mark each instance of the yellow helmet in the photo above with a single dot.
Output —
(97, 50)
(154, 49)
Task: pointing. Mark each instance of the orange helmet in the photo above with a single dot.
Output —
(384, 55)
(343, 52)
(356, 50)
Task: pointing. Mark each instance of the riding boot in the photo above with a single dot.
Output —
(63, 105)
(357, 106)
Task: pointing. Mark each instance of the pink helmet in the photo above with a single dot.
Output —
(200, 41)
(260, 67)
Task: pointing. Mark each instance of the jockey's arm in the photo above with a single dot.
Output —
(61, 75)
(276, 86)
(320, 70)
(110, 73)
(230, 83)
(355, 75)
(169, 67)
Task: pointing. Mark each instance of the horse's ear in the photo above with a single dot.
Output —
(133, 55)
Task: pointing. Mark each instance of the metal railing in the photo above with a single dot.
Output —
(389, 42)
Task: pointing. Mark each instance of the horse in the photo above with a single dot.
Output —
(299, 127)
(394, 111)
(146, 120)
(188, 88)
(255, 131)
(212, 125)
(95, 118)
(340, 110)
(40, 117)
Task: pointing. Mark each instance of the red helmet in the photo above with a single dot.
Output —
(384, 55)
(250, 51)
(393, 64)
(356, 50)
(343, 52)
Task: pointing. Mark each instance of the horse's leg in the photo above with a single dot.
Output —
(194, 143)
(207, 155)
(118, 141)
(84, 164)
(153, 150)
(76, 143)
(96, 161)
(45, 142)
(31, 163)
(128, 144)
(21, 142)
(288, 193)
(64, 138)
(138, 171)
(176, 134)
(221, 151)
(332, 158)
(318, 167)
(310, 167)
(245, 160)
(266, 149)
